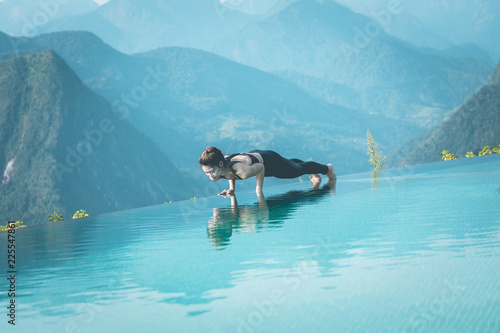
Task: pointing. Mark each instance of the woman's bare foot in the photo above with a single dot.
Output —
(331, 174)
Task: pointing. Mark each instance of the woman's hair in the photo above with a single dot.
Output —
(212, 156)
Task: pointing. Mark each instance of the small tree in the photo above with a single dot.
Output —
(376, 157)
(447, 156)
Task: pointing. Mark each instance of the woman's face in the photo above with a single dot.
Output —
(212, 171)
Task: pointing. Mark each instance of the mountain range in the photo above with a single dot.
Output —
(163, 23)
(329, 42)
(470, 127)
(326, 47)
(306, 80)
(131, 26)
(65, 148)
(438, 21)
(186, 99)
(27, 17)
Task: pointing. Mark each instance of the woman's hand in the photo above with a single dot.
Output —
(227, 193)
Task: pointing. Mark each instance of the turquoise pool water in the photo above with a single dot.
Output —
(416, 251)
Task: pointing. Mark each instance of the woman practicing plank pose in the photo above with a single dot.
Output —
(259, 163)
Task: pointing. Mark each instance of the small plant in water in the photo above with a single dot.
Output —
(79, 214)
(17, 225)
(56, 216)
(376, 157)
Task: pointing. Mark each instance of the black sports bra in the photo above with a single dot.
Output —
(231, 163)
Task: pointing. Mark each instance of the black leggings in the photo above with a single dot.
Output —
(277, 166)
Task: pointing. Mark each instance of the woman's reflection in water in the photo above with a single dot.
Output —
(266, 214)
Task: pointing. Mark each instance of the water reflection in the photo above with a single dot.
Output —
(411, 233)
(375, 176)
(264, 214)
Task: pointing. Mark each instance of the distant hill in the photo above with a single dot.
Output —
(470, 127)
(62, 147)
(327, 41)
(469, 50)
(325, 89)
(195, 99)
(479, 21)
(84, 52)
(409, 28)
(495, 78)
(136, 26)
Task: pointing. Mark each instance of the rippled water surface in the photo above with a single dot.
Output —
(416, 250)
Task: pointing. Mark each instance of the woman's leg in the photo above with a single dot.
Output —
(280, 167)
(311, 168)
(315, 177)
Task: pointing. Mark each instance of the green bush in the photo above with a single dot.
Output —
(79, 214)
(447, 156)
(55, 217)
(17, 225)
(487, 151)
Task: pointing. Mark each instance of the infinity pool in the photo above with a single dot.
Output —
(416, 250)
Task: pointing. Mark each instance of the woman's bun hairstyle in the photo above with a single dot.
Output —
(212, 156)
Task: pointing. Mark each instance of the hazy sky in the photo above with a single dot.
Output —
(253, 6)
(258, 6)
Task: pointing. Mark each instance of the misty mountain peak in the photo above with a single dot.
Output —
(77, 42)
(54, 128)
(53, 72)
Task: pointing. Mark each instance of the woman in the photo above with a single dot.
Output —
(258, 163)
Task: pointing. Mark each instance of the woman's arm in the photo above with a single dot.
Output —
(257, 170)
(260, 180)
(227, 193)
(246, 171)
